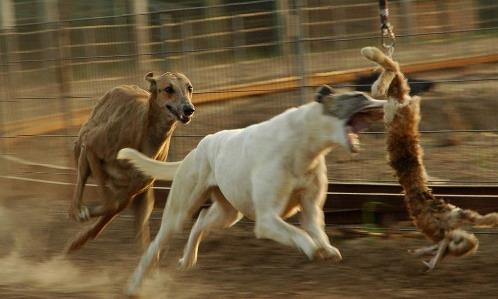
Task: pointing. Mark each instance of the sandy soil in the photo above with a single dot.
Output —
(232, 263)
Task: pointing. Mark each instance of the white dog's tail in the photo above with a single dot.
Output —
(157, 169)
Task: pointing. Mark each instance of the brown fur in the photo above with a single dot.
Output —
(439, 221)
(126, 116)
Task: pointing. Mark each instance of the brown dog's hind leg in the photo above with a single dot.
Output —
(111, 201)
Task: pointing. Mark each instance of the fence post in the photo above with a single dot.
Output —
(300, 50)
(140, 10)
(7, 25)
(408, 10)
(165, 19)
(339, 28)
(239, 40)
(284, 26)
(63, 71)
(187, 47)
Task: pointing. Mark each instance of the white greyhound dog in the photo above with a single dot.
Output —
(266, 172)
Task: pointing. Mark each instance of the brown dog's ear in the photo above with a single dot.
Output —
(322, 92)
(150, 78)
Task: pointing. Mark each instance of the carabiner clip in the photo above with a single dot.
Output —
(388, 39)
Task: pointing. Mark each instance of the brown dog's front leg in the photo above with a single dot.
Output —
(76, 211)
(90, 233)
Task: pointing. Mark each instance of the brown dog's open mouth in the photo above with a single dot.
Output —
(359, 122)
(183, 118)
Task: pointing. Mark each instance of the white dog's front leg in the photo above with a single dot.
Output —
(312, 221)
(272, 190)
(274, 228)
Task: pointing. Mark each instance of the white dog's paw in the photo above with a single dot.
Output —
(185, 264)
(328, 253)
(131, 289)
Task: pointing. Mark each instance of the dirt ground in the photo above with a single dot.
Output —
(233, 264)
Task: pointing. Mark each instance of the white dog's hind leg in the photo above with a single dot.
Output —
(150, 256)
(220, 215)
(188, 192)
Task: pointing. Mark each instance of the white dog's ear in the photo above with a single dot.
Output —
(322, 92)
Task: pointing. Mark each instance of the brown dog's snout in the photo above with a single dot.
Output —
(188, 110)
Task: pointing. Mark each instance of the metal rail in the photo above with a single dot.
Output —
(351, 203)
(347, 202)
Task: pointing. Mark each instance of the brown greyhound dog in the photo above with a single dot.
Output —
(127, 116)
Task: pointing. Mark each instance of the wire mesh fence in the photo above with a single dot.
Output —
(248, 60)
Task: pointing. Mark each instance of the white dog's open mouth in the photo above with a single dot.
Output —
(359, 122)
(180, 116)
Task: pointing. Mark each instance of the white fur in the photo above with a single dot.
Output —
(156, 169)
(266, 172)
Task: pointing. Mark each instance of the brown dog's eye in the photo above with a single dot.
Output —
(169, 90)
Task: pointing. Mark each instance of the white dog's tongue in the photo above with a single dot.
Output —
(353, 139)
(360, 122)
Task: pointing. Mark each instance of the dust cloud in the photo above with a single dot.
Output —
(25, 271)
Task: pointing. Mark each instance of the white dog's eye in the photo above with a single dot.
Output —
(190, 88)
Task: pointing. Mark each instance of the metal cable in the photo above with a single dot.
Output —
(93, 98)
(203, 135)
(168, 52)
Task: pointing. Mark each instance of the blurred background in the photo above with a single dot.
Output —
(247, 60)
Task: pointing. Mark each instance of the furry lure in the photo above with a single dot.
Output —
(438, 220)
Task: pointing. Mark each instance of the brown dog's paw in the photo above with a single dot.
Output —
(80, 214)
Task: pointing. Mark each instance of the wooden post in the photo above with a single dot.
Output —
(339, 28)
(10, 46)
(7, 42)
(407, 12)
(165, 20)
(187, 44)
(284, 22)
(63, 71)
(239, 42)
(300, 49)
(213, 10)
(141, 10)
